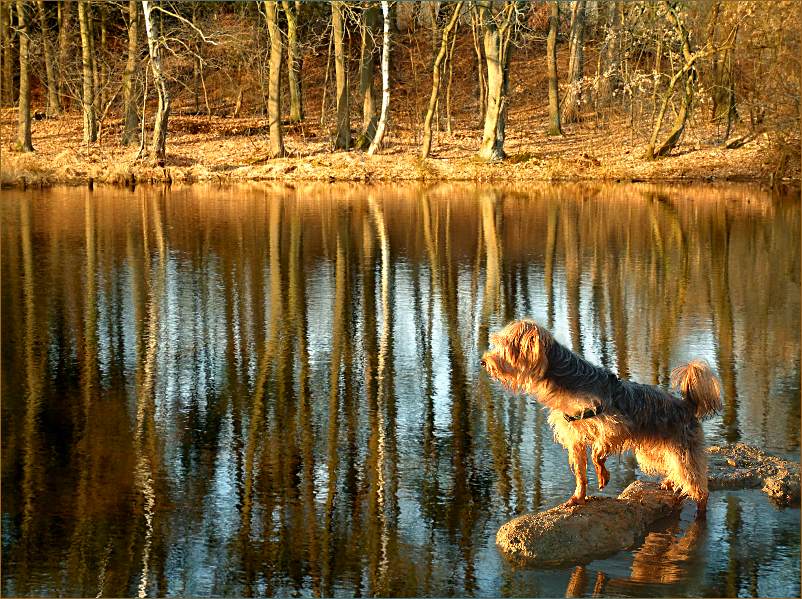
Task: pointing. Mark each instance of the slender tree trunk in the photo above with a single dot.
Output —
(611, 53)
(689, 72)
(497, 34)
(551, 52)
(103, 67)
(366, 69)
(450, 63)
(572, 101)
(158, 151)
(7, 81)
(53, 104)
(130, 118)
(382, 127)
(24, 142)
(480, 64)
(88, 95)
(343, 139)
(274, 82)
(65, 25)
(291, 9)
(426, 146)
(92, 22)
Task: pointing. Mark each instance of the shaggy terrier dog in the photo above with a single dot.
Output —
(591, 406)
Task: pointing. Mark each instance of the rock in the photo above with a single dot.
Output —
(741, 466)
(578, 534)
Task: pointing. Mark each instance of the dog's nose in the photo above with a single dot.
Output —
(482, 363)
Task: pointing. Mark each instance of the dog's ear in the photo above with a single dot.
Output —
(529, 344)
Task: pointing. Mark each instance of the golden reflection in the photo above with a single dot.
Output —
(271, 391)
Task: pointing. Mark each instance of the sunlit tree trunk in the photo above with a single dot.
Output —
(158, 150)
(24, 142)
(274, 82)
(688, 71)
(551, 52)
(611, 53)
(576, 65)
(8, 52)
(65, 16)
(426, 146)
(87, 60)
(343, 139)
(366, 69)
(130, 120)
(497, 35)
(382, 127)
(291, 10)
(53, 104)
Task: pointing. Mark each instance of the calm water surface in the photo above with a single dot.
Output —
(272, 391)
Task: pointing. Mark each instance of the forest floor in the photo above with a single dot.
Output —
(222, 148)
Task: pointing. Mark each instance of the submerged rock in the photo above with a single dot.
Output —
(582, 533)
(741, 466)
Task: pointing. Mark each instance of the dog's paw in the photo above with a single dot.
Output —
(575, 501)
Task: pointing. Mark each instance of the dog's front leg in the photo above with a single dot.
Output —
(578, 458)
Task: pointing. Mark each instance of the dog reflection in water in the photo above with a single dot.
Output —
(591, 407)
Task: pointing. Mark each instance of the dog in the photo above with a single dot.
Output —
(591, 407)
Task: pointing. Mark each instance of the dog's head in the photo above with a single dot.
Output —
(517, 356)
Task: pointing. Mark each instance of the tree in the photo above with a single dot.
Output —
(274, 83)
(130, 119)
(377, 140)
(291, 10)
(53, 104)
(343, 138)
(498, 28)
(24, 142)
(426, 146)
(158, 151)
(576, 65)
(87, 61)
(366, 69)
(610, 56)
(7, 32)
(551, 52)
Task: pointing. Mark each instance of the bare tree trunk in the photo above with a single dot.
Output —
(274, 82)
(611, 53)
(450, 62)
(343, 139)
(689, 72)
(130, 119)
(64, 49)
(158, 151)
(87, 60)
(8, 53)
(497, 34)
(480, 62)
(426, 146)
(551, 53)
(377, 139)
(103, 67)
(576, 65)
(366, 68)
(53, 104)
(24, 143)
(291, 9)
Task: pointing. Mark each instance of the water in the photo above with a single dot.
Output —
(267, 390)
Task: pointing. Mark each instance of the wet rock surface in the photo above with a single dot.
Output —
(741, 466)
(605, 525)
(574, 534)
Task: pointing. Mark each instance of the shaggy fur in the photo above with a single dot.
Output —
(662, 429)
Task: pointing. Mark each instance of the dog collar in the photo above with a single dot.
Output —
(589, 413)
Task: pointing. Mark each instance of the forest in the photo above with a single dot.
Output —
(124, 92)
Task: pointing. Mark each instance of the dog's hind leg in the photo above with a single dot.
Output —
(578, 458)
(602, 474)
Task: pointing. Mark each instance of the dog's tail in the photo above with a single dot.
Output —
(698, 385)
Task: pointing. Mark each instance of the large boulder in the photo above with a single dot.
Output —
(741, 466)
(582, 533)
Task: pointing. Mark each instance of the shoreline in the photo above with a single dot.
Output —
(227, 151)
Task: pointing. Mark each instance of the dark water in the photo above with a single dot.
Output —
(269, 391)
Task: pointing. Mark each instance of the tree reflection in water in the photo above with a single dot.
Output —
(264, 390)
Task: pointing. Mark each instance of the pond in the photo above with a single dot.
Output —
(264, 390)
